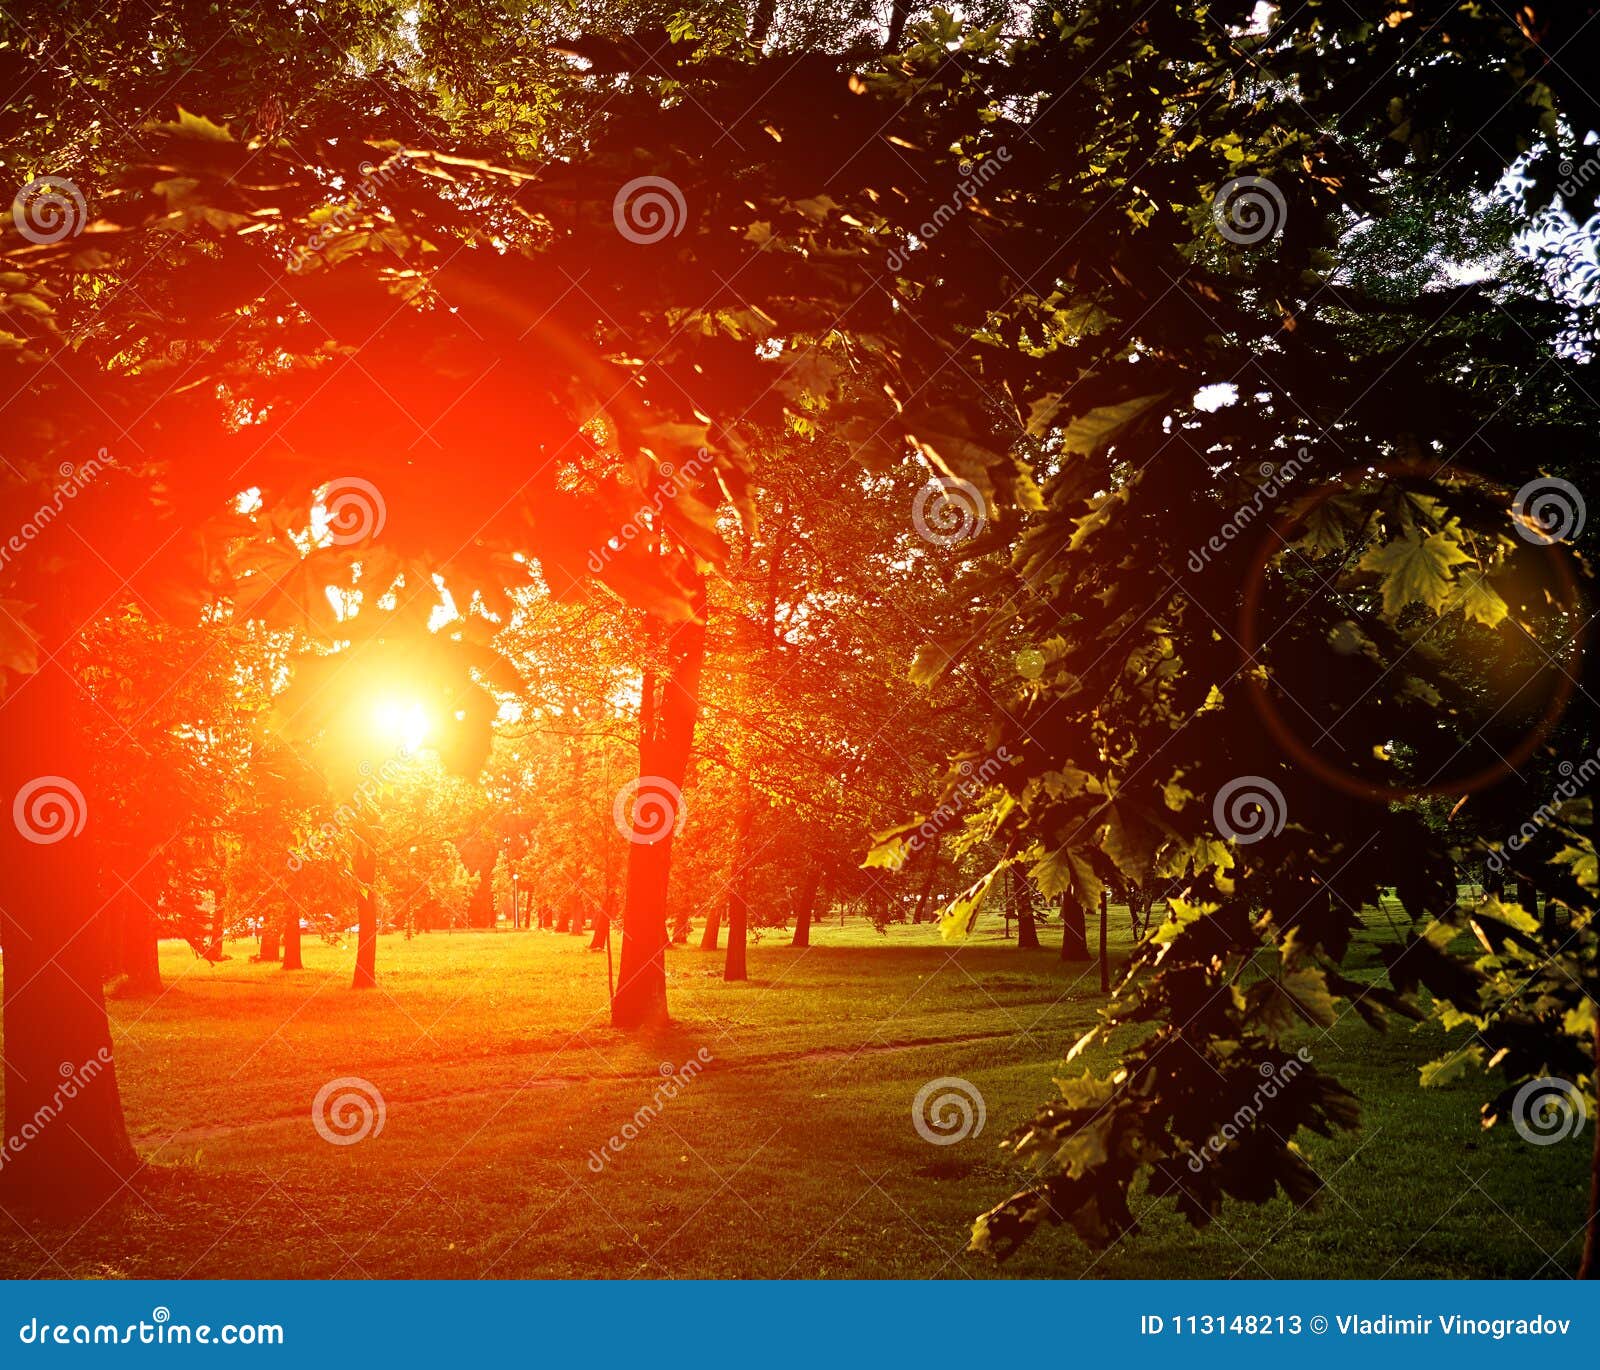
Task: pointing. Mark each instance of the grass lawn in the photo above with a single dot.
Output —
(793, 1154)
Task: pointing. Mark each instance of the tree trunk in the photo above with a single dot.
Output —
(712, 931)
(1105, 963)
(291, 942)
(806, 906)
(926, 893)
(1027, 929)
(1528, 896)
(271, 943)
(602, 928)
(74, 1149)
(138, 957)
(736, 966)
(1074, 933)
(666, 732)
(899, 12)
(366, 870)
(761, 22)
(214, 936)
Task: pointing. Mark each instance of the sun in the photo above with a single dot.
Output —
(401, 721)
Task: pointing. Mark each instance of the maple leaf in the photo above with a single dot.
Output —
(1478, 599)
(1416, 569)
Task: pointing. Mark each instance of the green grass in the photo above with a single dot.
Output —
(793, 1154)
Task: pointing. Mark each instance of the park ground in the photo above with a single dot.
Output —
(792, 1154)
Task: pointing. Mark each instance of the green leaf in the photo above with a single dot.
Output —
(1180, 913)
(1416, 569)
(196, 126)
(890, 849)
(1582, 861)
(1131, 841)
(1308, 988)
(956, 920)
(1088, 433)
(1450, 1067)
(1476, 598)
(1068, 870)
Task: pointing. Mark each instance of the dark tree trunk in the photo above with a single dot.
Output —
(736, 966)
(1528, 896)
(806, 907)
(666, 732)
(1074, 933)
(291, 942)
(366, 870)
(578, 923)
(1105, 962)
(602, 929)
(761, 21)
(76, 1153)
(711, 933)
(138, 955)
(899, 12)
(926, 892)
(1027, 929)
(271, 943)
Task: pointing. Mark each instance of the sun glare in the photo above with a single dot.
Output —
(401, 721)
